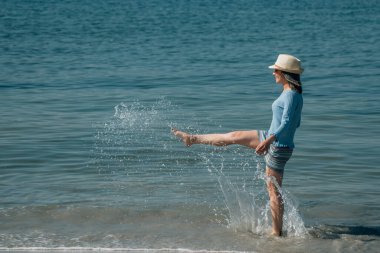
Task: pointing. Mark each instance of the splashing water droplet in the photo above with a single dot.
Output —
(247, 201)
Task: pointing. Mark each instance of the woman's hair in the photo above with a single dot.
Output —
(294, 81)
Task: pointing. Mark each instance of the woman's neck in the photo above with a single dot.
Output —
(286, 86)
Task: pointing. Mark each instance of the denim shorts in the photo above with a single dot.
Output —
(276, 157)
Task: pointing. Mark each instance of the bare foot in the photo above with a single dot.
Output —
(274, 234)
(186, 138)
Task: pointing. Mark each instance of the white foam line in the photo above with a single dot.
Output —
(118, 249)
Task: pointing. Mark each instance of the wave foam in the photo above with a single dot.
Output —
(118, 249)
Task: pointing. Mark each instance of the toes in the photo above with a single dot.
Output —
(174, 130)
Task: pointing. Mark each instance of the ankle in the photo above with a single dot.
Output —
(192, 139)
(276, 233)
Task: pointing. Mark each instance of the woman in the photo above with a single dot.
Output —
(277, 143)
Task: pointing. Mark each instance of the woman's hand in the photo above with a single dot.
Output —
(263, 146)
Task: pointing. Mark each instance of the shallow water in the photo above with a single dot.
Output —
(89, 91)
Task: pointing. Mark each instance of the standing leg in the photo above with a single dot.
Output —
(276, 201)
(246, 138)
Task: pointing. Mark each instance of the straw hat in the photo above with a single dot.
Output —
(287, 63)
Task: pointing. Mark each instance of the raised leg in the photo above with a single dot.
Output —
(246, 138)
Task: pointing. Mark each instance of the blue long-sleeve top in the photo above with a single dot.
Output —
(286, 119)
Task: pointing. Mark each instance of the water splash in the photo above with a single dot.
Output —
(247, 199)
(137, 158)
(136, 142)
(129, 142)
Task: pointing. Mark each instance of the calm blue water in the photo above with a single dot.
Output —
(90, 89)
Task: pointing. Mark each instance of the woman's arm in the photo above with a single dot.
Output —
(290, 107)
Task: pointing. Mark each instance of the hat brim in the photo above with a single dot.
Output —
(286, 70)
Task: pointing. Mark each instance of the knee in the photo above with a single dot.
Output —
(233, 135)
(227, 139)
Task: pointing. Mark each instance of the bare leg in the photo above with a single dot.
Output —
(246, 138)
(276, 202)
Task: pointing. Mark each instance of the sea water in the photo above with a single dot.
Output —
(89, 91)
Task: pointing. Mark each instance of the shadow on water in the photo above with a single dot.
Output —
(337, 231)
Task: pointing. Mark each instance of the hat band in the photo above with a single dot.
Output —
(286, 69)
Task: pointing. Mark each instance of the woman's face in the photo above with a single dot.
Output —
(278, 76)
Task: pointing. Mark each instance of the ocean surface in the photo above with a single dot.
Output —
(90, 89)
